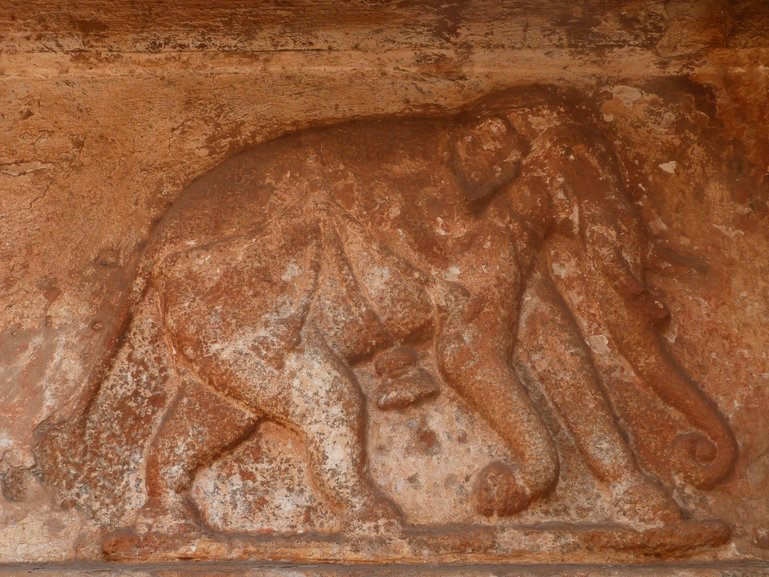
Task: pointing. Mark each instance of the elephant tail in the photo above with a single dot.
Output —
(59, 440)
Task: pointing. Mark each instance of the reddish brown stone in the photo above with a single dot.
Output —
(473, 283)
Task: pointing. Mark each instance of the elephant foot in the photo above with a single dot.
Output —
(378, 515)
(499, 491)
(172, 518)
(158, 527)
(643, 503)
(401, 391)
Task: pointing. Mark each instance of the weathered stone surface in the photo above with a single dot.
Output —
(427, 283)
(255, 569)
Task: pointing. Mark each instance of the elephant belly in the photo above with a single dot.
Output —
(367, 298)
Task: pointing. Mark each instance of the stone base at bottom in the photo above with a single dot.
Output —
(552, 543)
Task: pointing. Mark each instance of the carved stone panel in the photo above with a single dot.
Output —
(526, 325)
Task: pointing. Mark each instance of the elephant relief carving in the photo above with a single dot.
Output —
(409, 243)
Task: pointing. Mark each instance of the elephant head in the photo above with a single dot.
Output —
(541, 142)
(597, 225)
(486, 155)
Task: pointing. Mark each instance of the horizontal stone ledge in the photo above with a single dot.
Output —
(261, 569)
(508, 65)
(41, 25)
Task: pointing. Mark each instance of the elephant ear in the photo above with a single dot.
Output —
(486, 154)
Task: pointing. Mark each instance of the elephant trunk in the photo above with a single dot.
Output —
(704, 457)
(615, 247)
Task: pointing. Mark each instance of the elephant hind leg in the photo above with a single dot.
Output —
(198, 428)
(325, 405)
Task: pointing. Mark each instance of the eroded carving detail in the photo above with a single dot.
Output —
(425, 252)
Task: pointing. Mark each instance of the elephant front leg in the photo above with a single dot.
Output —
(473, 351)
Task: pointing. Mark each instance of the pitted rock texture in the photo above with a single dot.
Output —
(488, 314)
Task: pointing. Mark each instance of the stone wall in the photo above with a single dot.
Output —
(141, 187)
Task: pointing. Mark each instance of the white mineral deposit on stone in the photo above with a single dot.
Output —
(669, 167)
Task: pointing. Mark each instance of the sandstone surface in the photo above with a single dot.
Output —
(442, 284)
